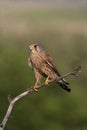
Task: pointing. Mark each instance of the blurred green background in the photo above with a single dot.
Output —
(61, 28)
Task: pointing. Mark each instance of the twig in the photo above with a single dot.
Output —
(29, 91)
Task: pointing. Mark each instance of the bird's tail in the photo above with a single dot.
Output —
(63, 84)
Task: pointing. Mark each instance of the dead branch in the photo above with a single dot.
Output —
(12, 102)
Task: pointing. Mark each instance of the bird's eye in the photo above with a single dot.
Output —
(35, 46)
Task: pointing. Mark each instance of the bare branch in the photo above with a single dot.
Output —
(29, 91)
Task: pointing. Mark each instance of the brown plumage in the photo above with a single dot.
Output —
(44, 66)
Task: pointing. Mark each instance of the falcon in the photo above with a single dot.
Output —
(43, 65)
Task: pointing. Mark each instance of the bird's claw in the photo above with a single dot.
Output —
(47, 81)
(35, 88)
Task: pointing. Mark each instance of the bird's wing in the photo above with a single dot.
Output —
(49, 60)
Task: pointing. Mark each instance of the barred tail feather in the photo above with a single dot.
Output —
(64, 86)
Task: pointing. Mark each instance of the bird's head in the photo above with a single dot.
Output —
(35, 47)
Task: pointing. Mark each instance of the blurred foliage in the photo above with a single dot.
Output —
(63, 33)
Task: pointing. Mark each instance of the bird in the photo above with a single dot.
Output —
(43, 65)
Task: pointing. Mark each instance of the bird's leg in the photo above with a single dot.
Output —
(36, 84)
(47, 81)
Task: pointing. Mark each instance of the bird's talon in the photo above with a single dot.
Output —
(35, 88)
(46, 83)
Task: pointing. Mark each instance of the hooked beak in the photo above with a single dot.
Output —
(30, 47)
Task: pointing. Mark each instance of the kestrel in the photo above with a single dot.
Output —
(44, 66)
